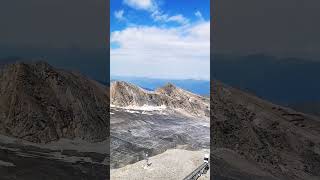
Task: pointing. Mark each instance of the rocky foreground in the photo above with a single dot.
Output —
(54, 124)
(173, 164)
(254, 139)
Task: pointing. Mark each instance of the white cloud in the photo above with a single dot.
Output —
(162, 17)
(119, 15)
(156, 13)
(149, 5)
(149, 51)
(179, 19)
(199, 15)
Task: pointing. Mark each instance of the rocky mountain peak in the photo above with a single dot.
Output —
(167, 89)
(40, 103)
(169, 86)
(126, 94)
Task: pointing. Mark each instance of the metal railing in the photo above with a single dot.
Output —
(202, 169)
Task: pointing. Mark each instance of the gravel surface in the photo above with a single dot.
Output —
(170, 165)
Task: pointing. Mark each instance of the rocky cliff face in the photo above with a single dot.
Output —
(39, 103)
(174, 98)
(273, 141)
(126, 94)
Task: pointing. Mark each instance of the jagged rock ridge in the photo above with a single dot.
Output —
(39, 103)
(126, 94)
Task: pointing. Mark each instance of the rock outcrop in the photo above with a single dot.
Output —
(40, 104)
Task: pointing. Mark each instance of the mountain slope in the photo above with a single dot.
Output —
(280, 142)
(174, 98)
(39, 103)
(143, 121)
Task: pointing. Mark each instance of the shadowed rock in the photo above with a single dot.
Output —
(280, 142)
(39, 103)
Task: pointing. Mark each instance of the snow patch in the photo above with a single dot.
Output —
(7, 164)
(141, 108)
(132, 112)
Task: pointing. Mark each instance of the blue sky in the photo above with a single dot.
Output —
(160, 38)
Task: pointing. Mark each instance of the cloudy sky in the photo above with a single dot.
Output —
(160, 38)
(287, 28)
(53, 24)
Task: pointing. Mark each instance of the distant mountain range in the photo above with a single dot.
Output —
(285, 81)
(200, 87)
(308, 107)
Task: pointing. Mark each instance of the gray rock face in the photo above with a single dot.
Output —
(126, 94)
(39, 103)
(280, 142)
